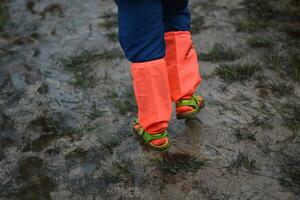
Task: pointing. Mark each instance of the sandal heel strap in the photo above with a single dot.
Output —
(147, 136)
(194, 102)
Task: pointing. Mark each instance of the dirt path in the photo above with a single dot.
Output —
(66, 104)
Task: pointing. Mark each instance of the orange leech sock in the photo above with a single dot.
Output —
(152, 92)
(182, 65)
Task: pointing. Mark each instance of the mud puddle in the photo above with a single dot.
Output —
(66, 106)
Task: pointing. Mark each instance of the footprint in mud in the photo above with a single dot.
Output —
(191, 137)
(78, 155)
(35, 185)
(46, 122)
(44, 131)
(194, 124)
(47, 128)
(38, 188)
(40, 143)
(29, 165)
(8, 137)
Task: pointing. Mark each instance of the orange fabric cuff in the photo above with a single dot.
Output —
(182, 64)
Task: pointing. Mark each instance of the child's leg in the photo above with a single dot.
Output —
(141, 35)
(181, 57)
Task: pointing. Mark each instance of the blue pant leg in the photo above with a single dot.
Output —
(177, 16)
(141, 29)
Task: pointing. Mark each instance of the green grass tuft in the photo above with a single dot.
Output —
(94, 112)
(242, 161)
(290, 112)
(237, 72)
(259, 42)
(82, 129)
(294, 64)
(220, 53)
(197, 24)
(110, 20)
(52, 9)
(275, 61)
(290, 174)
(250, 24)
(278, 89)
(279, 14)
(117, 173)
(244, 133)
(110, 23)
(292, 29)
(249, 164)
(47, 122)
(3, 16)
(124, 102)
(179, 162)
(258, 120)
(80, 66)
(112, 36)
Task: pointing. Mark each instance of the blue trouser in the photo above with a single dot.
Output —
(142, 24)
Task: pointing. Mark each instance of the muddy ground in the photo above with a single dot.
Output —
(66, 105)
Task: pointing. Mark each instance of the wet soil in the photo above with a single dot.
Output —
(66, 106)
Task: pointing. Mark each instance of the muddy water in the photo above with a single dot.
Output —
(67, 137)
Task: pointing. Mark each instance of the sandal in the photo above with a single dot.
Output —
(151, 138)
(189, 108)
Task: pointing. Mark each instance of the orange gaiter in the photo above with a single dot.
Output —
(182, 64)
(152, 92)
